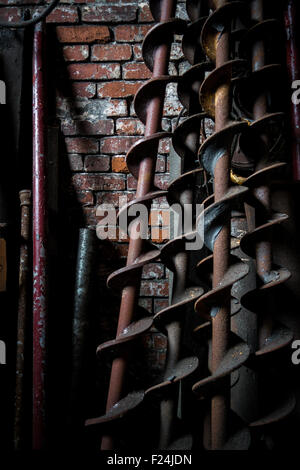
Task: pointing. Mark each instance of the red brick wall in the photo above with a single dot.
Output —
(99, 62)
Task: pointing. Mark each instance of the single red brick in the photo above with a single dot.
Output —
(115, 107)
(153, 271)
(93, 71)
(154, 288)
(164, 146)
(137, 70)
(131, 183)
(109, 14)
(129, 126)
(81, 145)
(98, 182)
(118, 164)
(84, 89)
(114, 145)
(137, 52)
(63, 14)
(118, 89)
(101, 127)
(83, 34)
(162, 181)
(172, 105)
(109, 52)
(145, 14)
(131, 33)
(176, 51)
(75, 162)
(75, 53)
(96, 163)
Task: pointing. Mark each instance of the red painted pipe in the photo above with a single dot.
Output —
(293, 67)
(39, 240)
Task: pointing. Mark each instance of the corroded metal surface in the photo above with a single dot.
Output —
(25, 202)
(39, 241)
(215, 155)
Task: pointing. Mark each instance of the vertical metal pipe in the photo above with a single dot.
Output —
(221, 322)
(84, 270)
(39, 240)
(291, 16)
(25, 201)
(144, 185)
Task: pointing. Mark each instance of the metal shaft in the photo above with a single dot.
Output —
(39, 241)
(144, 185)
(84, 270)
(221, 322)
(25, 201)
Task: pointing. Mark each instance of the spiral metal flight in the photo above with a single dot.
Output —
(248, 138)
(262, 106)
(141, 161)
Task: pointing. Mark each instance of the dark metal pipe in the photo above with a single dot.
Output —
(84, 271)
(144, 185)
(291, 15)
(39, 240)
(25, 201)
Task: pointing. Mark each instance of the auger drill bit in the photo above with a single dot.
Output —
(228, 352)
(141, 161)
(273, 337)
(174, 254)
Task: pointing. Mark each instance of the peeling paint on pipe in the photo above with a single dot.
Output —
(39, 242)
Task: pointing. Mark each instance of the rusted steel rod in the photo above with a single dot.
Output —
(25, 201)
(39, 240)
(291, 16)
(144, 186)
